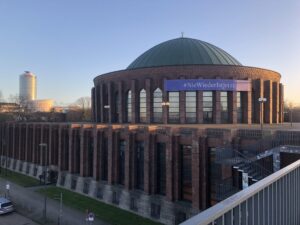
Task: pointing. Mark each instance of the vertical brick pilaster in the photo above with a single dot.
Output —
(96, 153)
(111, 153)
(203, 165)
(71, 150)
(134, 102)
(165, 109)
(94, 109)
(83, 150)
(196, 171)
(60, 142)
(121, 106)
(258, 86)
(153, 164)
(101, 103)
(147, 160)
(177, 178)
(232, 106)
(111, 102)
(275, 102)
(171, 145)
(268, 105)
(182, 107)
(200, 106)
(149, 100)
(247, 106)
(217, 107)
(281, 102)
(129, 138)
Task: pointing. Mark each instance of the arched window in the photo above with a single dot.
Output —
(224, 107)
(128, 106)
(157, 106)
(143, 106)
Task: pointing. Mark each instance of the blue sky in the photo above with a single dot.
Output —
(66, 43)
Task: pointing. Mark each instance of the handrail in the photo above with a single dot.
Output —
(210, 215)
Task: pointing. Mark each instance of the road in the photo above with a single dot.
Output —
(15, 219)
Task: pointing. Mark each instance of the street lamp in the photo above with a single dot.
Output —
(45, 177)
(261, 100)
(166, 103)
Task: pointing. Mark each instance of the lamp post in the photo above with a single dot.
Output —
(261, 100)
(45, 178)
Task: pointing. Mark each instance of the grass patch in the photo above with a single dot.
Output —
(18, 178)
(102, 211)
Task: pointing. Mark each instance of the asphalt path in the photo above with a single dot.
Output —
(15, 219)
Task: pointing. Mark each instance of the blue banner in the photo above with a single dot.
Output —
(207, 85)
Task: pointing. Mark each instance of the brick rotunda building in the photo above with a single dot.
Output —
(159, 128)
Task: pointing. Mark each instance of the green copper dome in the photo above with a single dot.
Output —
(183, 51)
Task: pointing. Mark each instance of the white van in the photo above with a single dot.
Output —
(6, 206)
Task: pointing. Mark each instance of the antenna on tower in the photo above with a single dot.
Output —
(182, 33)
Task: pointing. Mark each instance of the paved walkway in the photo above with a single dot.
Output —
(15, 219)
(31, 204)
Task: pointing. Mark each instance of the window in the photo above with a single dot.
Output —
(190, 106)
(139, 162)
(143, 106)
(174, 107)
(208, 107)
(161, 168)
(157, 106)
(186, 172)
(224, 106)
(239, 107)
(121, 162)
(128, 107)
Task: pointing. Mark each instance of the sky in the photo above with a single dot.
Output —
(67, 43)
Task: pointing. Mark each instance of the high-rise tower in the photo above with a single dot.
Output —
(27, 86)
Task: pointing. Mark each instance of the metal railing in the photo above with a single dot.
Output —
(275, 200)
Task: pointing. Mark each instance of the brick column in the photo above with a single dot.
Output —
(130, 137)
(121, 106)
(281, 102)
(60, 147)
(93, 101)
(268, 105)
(182, 107)
(72, 150)
(152, 163)
(147, 159)
(111, 154)
(217, 107)
(149, 100)
(171, 145)
(232, 106)
(96, 153)
(83, 153)
(165, 109)
(196, 171)
(177, 187)
(203, 164)
(246, 98)
(134, 102)
(111, 102)
(258, 86)
(275, 102)
(101, 103)
(200, 106)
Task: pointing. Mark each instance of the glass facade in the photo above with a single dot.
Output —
(174, 107)
(143, 106)
(128, 107)
(239, 108)
(121, 162)
(190, 106)
(139, 165)
(161, 168)
(186, 172)
(208, 106)
(157, 106)
(224, 106)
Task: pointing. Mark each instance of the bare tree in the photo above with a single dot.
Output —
(84, 103)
